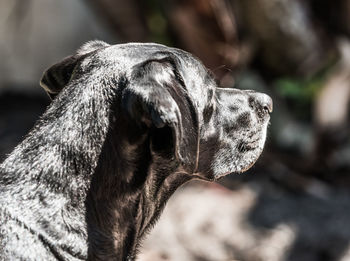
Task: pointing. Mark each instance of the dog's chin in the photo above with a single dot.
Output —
(237, 166)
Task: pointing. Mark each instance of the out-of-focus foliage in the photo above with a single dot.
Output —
(296, 89)
(299, 94)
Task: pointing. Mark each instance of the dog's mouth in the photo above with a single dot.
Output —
(238, 159)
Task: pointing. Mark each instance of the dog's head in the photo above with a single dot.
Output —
(209, 131)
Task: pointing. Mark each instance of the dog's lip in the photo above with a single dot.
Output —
(249, 165)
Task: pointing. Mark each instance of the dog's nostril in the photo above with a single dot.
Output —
(266, 109)
(268, 105)
(263, 102)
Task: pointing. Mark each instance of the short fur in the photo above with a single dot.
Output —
(127, 126)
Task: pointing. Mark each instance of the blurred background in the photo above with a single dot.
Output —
(294, 204)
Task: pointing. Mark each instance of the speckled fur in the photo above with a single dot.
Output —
(127, 126)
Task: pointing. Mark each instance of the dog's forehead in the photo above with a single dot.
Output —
(123, 57)
(131, 54)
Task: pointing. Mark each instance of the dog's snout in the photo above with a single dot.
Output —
(261, 102)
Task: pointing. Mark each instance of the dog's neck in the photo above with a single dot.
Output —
(46, 178)
(100, 195)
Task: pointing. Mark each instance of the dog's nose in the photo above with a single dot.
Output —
(261, 102)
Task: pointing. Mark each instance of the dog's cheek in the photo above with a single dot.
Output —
(208, 148)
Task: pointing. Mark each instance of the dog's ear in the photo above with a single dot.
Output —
(156, 98)
(59, 74)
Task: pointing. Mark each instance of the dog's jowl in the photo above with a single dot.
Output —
(128, 125)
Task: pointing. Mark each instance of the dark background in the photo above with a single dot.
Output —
(294, 204)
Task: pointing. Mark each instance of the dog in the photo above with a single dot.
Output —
(127, 126)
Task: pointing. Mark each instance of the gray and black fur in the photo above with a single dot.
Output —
(127, 126)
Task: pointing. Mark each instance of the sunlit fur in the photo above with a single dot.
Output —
(127, 126)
